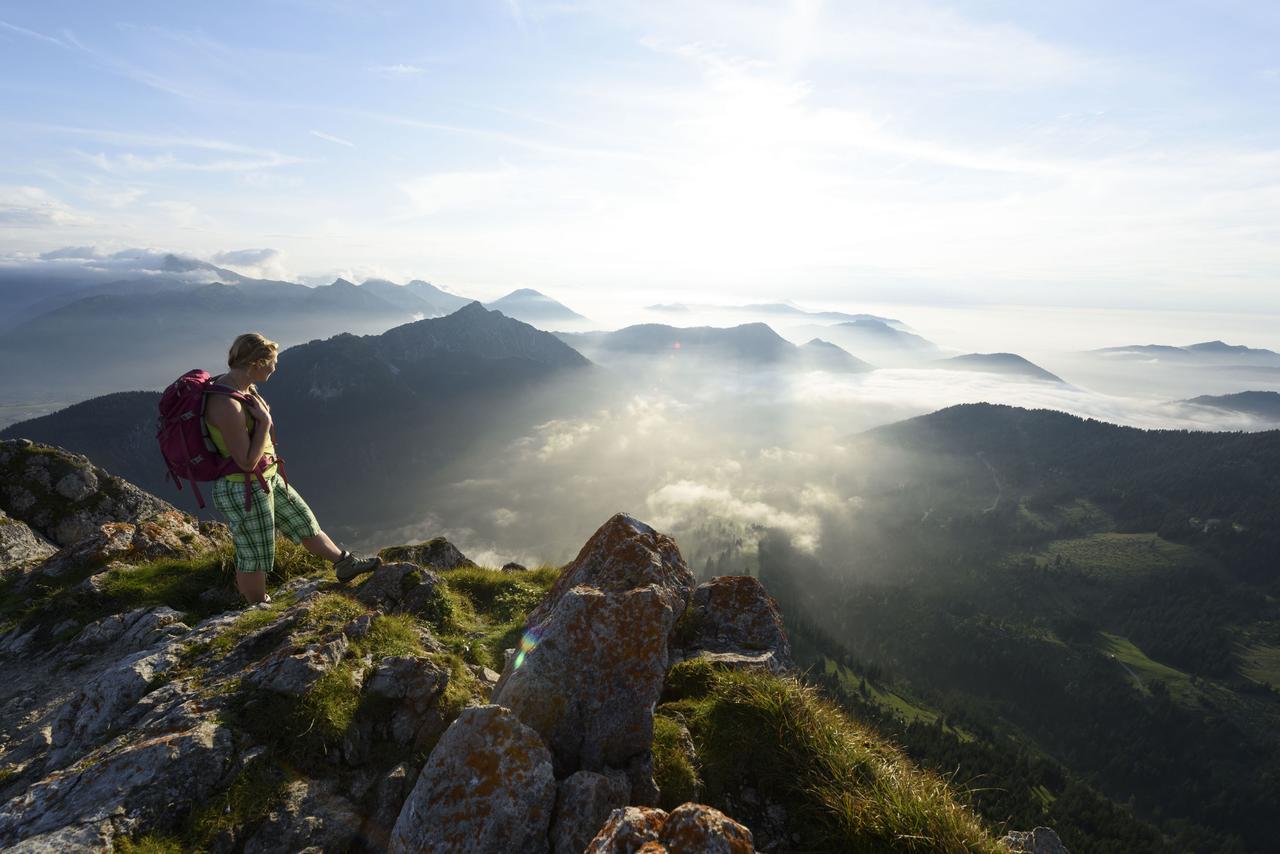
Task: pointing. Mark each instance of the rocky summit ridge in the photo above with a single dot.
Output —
(612, 705)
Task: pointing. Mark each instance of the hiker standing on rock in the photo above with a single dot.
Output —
(242, 432)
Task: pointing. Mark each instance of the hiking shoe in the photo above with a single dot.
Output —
(349, 566)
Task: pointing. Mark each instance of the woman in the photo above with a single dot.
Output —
(243, 432)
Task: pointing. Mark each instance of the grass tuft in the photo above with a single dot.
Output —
(843, 787)
(673, 768)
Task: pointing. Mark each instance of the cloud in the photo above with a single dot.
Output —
(33, 207)
(258, 263)
(337, 140)
(399, 69)
(432, 194)
(686, 502)
(32, 34)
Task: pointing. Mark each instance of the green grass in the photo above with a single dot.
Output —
(1147, 670)
(248, 800)
(893, 701)
(843, 787)
(1119, 556)
(486, 610)
(151, 843)
(394, 634)
(675, 774)
(1261, 663)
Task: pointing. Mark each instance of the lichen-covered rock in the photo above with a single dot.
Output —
(627, 830)
(736, 620)
(590, 681)
(688, 829)
(1041, 840)
(403, 587)
(311, 817)
(596, 652)
(64, 496)
(21, 547)
(168, 534)
(292, 672)
(700, 829)
(624, 554)
(487, 787)
(584, 801)
(149, 783)
(438, 553)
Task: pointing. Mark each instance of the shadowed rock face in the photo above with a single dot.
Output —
(734, 620)
(597, 652)
(488, 786)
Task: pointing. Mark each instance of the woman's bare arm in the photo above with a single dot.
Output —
(227, 414)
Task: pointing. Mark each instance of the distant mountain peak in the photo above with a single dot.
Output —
(341, 283)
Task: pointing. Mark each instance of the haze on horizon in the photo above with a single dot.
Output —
(1069, 154)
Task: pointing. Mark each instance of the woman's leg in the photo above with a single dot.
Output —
(321, 546)
(252, 586)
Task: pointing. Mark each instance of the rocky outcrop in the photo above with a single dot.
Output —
(311, 816)
(688, 829)
(403, 587)
(437, 554)
(118, 790)
(21, 547)
(596, 652)
(487, 787)
(65, 497)
(168, 534)
(624, 554)
(734, 621)
(1041, 840)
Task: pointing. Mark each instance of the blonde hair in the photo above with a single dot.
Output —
(251, 349)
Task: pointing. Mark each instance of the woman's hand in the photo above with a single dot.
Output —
(259, 410)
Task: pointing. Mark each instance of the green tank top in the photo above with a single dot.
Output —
(220, 443)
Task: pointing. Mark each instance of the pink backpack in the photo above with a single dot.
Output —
(184, 437)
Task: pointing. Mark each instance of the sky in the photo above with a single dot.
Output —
(1079, 154)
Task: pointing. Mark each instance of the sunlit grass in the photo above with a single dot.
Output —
(843, 787)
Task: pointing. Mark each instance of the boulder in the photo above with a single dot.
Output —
(487, 787)
(627, 830)
(512, 566)
(595, 653)
(688, 829)
(700, 829)
(437, 554)
(403, 587)
(734, 620)
(590, 678)
(64, 496)
(311, 817)
(624, 554)
(21, 547)
(1041, 840)
(584, 801)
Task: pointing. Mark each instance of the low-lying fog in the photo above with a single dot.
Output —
(716, 453)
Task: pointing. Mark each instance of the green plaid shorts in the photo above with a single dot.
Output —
(254, 530)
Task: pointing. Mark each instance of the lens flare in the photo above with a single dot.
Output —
(527, 643)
